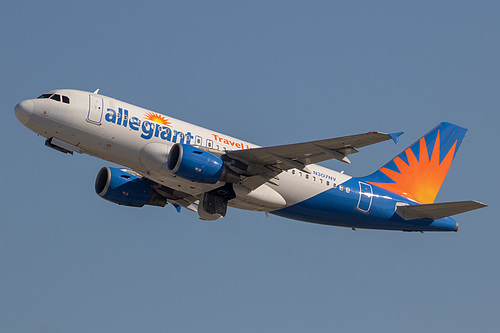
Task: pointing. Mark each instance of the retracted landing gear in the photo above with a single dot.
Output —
(213, 204)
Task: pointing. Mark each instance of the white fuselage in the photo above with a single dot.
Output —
(141, 139)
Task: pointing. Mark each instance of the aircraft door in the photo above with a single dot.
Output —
(95, 110)
(365, 197)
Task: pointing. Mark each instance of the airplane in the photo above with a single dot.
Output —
(167, 160)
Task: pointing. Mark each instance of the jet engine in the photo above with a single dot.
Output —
(124, 188)
(198, 165)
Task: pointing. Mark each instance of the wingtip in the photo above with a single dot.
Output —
(177, 207)
(480, 204)
(395, 136)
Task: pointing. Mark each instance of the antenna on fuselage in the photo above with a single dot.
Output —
(96, 91)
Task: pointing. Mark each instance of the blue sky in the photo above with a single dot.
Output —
(269, 73)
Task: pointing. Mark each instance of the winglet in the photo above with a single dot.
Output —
(395, 136)
(177, 207)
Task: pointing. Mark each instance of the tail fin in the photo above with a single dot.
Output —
(419, 171)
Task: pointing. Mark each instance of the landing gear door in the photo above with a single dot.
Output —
(95, 110)
(365, 197)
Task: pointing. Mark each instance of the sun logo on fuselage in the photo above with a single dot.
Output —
(158, 118)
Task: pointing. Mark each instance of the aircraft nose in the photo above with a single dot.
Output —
(23, 111)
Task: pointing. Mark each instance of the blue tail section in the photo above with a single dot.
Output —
(419, 171)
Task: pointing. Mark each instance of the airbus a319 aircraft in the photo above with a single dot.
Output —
(170, 161)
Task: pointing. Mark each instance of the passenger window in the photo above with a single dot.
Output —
(45, 96)
(307, 176)
(56, 97)
(65, 99)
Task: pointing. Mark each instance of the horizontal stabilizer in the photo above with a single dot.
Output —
(437, 210)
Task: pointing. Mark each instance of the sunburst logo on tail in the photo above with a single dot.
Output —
(158, 118)
(419, 178)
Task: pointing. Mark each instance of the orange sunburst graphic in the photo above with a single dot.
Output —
(421, 178)
(158, 118)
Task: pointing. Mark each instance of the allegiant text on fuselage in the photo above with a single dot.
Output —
(148, 129)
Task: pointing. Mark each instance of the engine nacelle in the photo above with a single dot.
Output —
(126, 189)
(198, 165)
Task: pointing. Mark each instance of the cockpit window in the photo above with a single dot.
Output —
(55, 97)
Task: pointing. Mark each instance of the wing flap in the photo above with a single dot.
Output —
(437, 210)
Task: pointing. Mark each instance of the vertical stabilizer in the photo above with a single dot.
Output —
(419, 171)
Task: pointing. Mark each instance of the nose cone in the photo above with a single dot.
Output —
(23, 111)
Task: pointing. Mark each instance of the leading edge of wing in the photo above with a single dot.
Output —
(299, 155)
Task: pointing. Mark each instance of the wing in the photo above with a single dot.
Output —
(263, 164)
